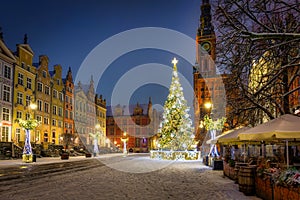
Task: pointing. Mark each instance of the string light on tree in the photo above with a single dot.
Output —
(176, 131)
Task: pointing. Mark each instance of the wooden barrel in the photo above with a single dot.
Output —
(246, 180)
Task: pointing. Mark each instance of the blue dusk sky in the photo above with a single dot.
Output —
(68, 30)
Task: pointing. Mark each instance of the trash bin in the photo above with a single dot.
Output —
(34, 158)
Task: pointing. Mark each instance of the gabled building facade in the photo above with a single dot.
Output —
(57, 103)
(69, 105)
(24, 91)
(139, 122)
(7, 63)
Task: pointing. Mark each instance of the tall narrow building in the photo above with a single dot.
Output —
(57, 102)
(43, 100)
(208, 84)
(7, 62)
(24, 91)
(68, 131)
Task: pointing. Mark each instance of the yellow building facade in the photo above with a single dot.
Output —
(24, 91)
(57, 104)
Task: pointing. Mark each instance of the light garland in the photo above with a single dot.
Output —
(214, 125)
(28, 124)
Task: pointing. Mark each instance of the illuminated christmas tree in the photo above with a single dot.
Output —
(176, 131)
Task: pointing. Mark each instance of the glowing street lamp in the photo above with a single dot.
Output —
(124, 140)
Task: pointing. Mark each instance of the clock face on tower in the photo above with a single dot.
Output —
(206, 46)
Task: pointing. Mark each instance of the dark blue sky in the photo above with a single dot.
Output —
(67, 30)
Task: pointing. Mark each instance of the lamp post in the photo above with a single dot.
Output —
(28, 125)
(124, 140)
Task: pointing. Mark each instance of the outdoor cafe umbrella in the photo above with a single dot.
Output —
(284, 127)
(231, 135)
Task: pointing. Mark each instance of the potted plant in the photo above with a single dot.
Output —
(65, 155)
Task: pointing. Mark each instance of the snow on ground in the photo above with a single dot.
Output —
(124, 178)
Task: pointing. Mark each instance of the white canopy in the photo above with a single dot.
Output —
(284, 127)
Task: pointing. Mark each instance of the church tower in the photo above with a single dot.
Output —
(208, 84)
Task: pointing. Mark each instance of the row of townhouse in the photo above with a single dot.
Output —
(23, 83)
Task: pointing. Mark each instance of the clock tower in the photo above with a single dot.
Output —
(206, 42)
(207, 83)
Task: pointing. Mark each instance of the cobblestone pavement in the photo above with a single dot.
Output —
(177, 180)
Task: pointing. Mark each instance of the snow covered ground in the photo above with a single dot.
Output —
(132, 177)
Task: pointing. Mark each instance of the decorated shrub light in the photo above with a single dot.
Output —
(212, 127)
(28, 125)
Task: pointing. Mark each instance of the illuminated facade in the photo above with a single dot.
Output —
(208, 84)
(89, 112)
(57, 103)
(24, 88)
(7, 62)
(140, 122)
(100, 105)
(69, 107)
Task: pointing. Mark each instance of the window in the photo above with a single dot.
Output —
(39, 118)
(60, 111)
(61, 96)
(40, 87)
(23, 65)
(19, 115)
(137, 131)
(5, 114)
(67, 99)
(38, 136)
(46, 120)
(55, 94)
(47, 90)
(20, 79)
(54, 110)
(6, 93)
(20, 98)
(57, 82)
(60, 124)
(111, 131)
(44, 74)
(7, 72)
(66, 114)
(53, 122)
(40, 103)
(5, 131)
(70, 126)
(18, 134)
(53, 137)
(66, 124)
(29, 83)
(71, 115)
(28, 100)
(45, 137)
(46, 107)
(27, 116)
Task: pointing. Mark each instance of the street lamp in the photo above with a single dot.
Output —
(28, 125)
(124, 140)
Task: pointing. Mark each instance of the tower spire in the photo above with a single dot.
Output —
(1, 34)
(25, 39)
(206, 27)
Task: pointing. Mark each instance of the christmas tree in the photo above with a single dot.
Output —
(176, 131)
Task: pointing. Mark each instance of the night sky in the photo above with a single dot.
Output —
(68, 30)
